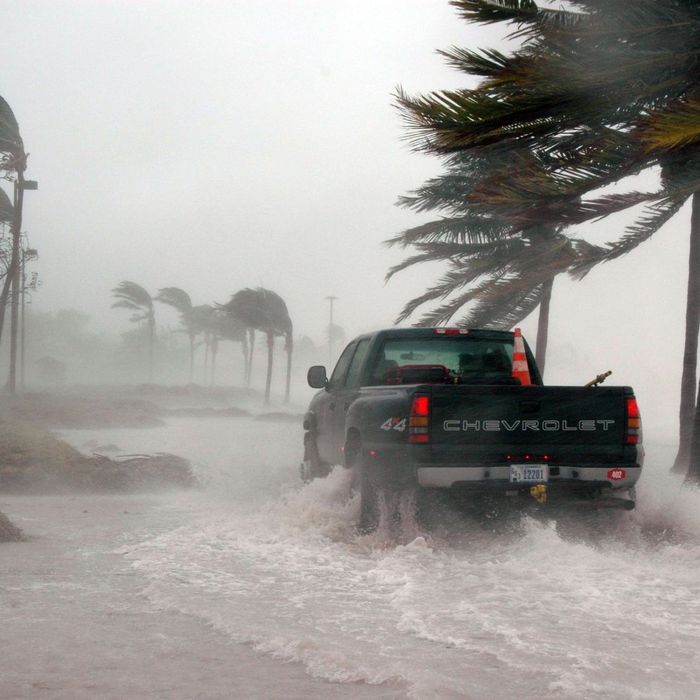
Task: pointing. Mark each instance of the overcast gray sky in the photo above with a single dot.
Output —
(218, 145)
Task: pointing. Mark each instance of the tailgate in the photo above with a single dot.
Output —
(489, 421)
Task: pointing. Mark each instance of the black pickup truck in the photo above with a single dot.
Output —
(442, 408)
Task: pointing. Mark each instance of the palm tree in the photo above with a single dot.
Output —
(13, 159)
(181, 302)
(132, 296)
(597, 95)
(275, 321)
(264, 310)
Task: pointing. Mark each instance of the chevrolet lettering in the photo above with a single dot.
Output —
(547, 425)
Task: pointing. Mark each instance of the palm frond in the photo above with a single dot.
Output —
(488, 63)
(10, 140)
(133, 293)
(676, 126)
(525, 13)
(497, 253)
(505, 303)
(261, 309)
(178, 298)
(467, 229)
(125, 304)
(642, 230)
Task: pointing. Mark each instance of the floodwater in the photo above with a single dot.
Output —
(257, 586)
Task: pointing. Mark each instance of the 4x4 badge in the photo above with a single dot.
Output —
(394, 424)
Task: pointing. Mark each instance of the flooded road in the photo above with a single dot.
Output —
(254, 570)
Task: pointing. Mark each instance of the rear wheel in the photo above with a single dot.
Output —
(387, 493)
(312, 467)
(369, 498)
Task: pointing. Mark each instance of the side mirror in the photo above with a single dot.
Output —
(316, 377)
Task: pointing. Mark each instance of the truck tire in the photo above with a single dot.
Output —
(369, 501)
(378, 485)
(312, 467)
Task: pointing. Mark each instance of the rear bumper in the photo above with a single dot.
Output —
(448, 476)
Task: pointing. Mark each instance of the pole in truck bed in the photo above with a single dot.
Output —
(599, 379)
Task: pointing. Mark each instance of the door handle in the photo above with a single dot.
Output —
(332, 406)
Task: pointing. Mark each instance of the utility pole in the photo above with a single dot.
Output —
(331, 299)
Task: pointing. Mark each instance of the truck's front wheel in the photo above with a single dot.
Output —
(312, 467)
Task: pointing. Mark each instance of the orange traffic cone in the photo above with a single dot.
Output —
(520, 368)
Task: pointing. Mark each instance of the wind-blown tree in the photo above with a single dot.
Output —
(180, 300)
(132, 296)
(264, 310)
(597, 94)
(13, 162)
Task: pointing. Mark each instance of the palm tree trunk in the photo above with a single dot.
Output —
(244, 346)
(689, 447)
(289, 368)
(214, 350)
(151, 334)
(191, 358)
(690, 352)
(13, 273)
(251, 335)
(4, 296)
(207, 341)
(268, 380)
(543, 325)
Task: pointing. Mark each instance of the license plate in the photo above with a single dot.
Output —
(528, 473)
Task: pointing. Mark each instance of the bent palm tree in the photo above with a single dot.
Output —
(275, 320)
(264, 310)
(12, 159)
(132, 296)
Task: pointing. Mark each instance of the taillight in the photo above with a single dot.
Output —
(419, 419)
(633, 433)
(451, 331)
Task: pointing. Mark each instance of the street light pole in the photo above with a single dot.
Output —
(331, 299)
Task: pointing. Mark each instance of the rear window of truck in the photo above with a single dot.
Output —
(452, 359)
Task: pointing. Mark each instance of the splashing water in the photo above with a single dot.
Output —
(462, 608)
